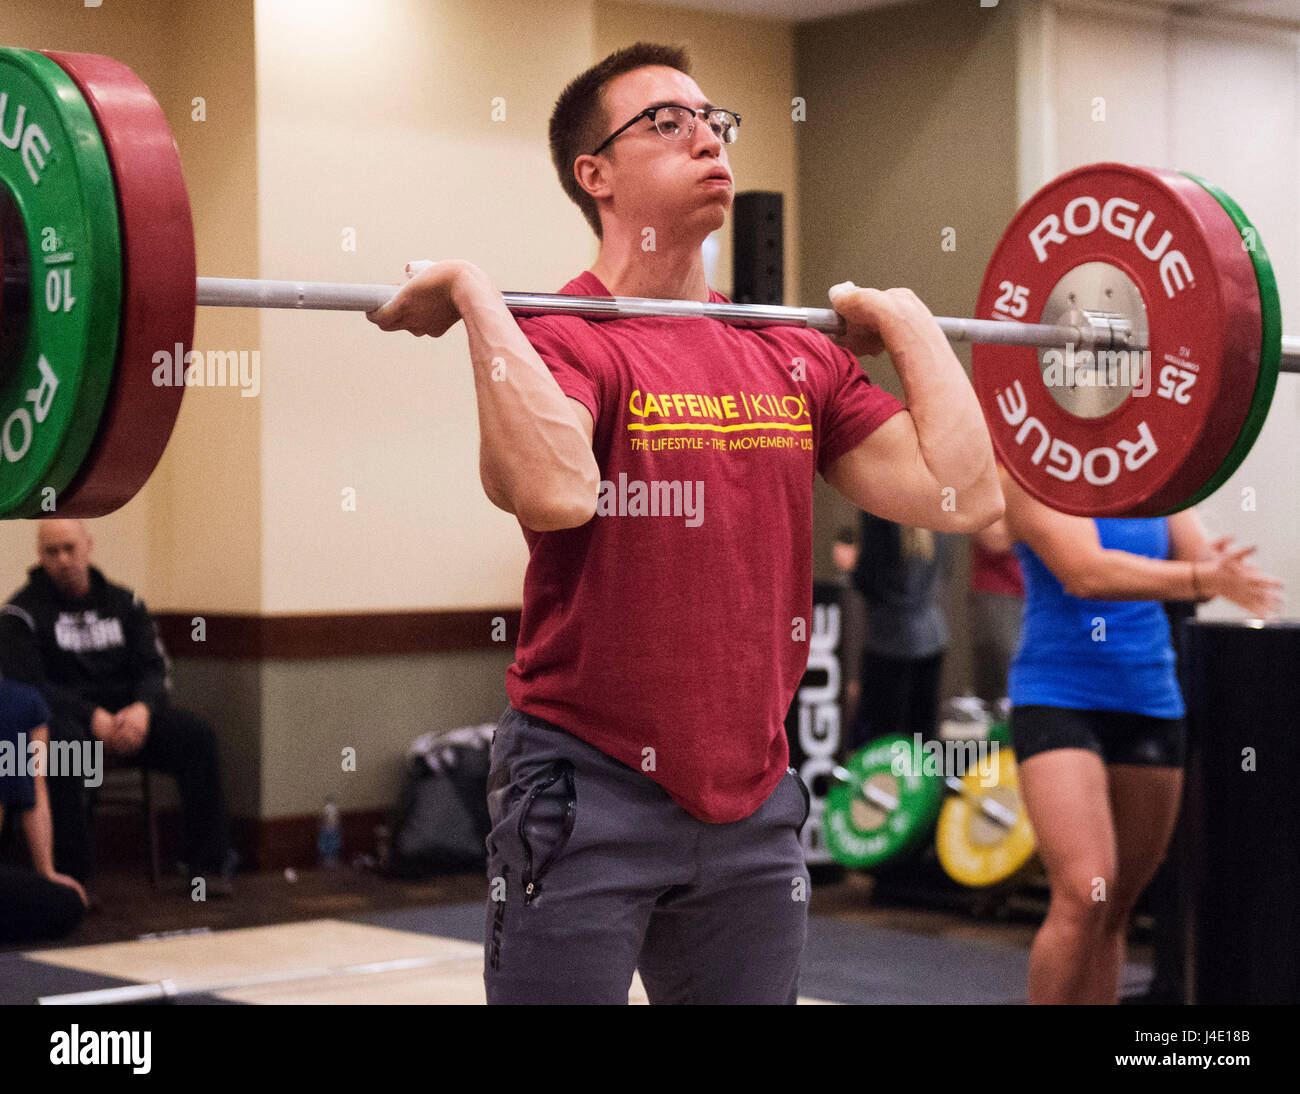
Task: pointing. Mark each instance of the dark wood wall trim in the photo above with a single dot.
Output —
(272, 843)
(350, 634)
(265, 843)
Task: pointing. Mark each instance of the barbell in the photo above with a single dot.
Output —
(169, 991)
(889, 797)
(1138, 390)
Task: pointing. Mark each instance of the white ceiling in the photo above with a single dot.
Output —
(1271, 9)
(802, 10)
(793, 10)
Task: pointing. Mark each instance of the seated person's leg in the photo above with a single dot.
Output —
(185, 747)
(37, 903)
(34, 909)
(70, 811)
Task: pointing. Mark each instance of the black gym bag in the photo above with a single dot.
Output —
(442, 818)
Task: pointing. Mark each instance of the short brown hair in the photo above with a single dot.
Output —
(578, 122)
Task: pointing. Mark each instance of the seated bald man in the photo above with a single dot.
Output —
(92, 651)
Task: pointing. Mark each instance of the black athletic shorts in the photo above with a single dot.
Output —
(1116, 736)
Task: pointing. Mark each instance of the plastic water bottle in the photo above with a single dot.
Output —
(330, 843)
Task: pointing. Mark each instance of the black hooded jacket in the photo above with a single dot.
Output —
(100, 650)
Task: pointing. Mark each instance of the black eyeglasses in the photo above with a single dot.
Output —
(677, 123)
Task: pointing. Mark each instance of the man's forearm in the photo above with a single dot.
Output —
(534, 458)
(39, 831)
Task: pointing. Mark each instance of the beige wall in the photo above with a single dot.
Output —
(911, 129)
(205, 494)
(377, 117)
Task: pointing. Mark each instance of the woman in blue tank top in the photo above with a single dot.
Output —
(1097, 717)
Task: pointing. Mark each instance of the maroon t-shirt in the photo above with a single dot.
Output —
(671, 630)
(995, 572)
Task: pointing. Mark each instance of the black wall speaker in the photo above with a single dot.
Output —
(758, 248)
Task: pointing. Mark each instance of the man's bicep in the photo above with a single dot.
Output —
(584, 418)
(568, 371)
(885, 474)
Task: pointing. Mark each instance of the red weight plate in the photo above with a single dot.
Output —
(1238, 294)
(158, 285)
(1180, 249)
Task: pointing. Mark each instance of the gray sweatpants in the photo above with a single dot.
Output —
(594, 872)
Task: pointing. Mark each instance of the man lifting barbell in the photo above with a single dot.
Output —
(643, 812)
(1136, 261)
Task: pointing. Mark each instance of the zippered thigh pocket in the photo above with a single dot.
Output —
(807, 798)
(545, 824)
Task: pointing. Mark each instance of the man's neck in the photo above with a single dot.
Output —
(69, 591)
(672, 271)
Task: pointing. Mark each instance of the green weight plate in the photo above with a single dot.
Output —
(884, 807)
(15, 297)
(55, 173)
(1270, 306)
(1000, 732)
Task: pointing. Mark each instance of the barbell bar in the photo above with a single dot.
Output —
(1111, 243)
(166, 990)
(1103, 333)
(231, 292)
